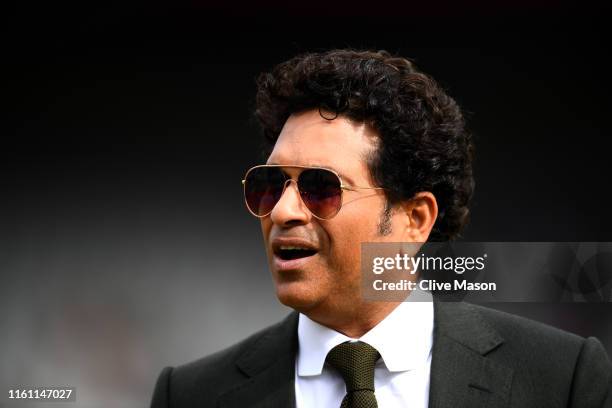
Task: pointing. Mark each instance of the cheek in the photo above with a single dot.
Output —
(346, 242)
(358, 226)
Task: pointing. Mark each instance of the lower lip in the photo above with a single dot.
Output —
(291, 264)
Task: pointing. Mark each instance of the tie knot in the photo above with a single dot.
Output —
(355, 362)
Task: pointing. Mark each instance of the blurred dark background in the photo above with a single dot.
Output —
(124, 242)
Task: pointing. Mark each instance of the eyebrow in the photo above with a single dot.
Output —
(343, 176)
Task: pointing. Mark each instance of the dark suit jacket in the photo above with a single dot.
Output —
(481, 358)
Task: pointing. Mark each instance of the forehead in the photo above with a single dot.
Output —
(307, 139)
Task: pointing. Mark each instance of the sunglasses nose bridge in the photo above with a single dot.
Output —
(285, 206)
(286, 184)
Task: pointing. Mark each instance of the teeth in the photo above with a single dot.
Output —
(288, 247)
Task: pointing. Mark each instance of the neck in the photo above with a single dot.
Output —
(355, 322)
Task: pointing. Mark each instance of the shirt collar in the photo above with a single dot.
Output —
(403, 338)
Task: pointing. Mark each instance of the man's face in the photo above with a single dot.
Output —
(328, 282)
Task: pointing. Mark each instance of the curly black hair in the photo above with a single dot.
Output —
(424, 144)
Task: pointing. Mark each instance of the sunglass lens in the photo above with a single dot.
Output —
(263, 188)
(321, 192)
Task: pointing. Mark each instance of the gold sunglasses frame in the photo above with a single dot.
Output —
(288, 180)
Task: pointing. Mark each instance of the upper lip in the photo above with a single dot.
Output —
(278, 242)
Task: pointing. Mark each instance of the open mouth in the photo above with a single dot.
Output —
(288, 253)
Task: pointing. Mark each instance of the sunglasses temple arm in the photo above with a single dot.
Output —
(345, 187)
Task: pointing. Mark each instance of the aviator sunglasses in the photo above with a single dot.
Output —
(320, 189)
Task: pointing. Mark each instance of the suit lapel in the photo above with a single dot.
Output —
(270, 367)
(461, 373)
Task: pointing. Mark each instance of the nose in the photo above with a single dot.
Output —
(290, 209)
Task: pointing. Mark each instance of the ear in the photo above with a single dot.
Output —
(422, 212)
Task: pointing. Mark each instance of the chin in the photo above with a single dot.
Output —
(296, 296)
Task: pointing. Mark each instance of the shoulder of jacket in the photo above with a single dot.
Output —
(222, 362)
(513, 327)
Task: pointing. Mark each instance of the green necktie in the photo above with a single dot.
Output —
(355, 362)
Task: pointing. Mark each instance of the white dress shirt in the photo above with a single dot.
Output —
(401, 376)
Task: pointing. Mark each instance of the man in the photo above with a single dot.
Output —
(365, 148)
